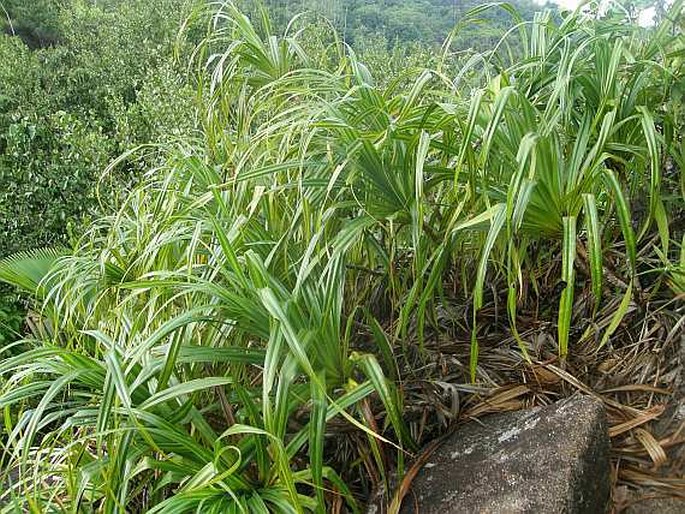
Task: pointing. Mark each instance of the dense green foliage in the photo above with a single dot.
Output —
(71, 100)
(234, 336)
(36, 23)
(68, 109)
(405, 21)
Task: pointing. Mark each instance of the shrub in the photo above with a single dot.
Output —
(68, 109)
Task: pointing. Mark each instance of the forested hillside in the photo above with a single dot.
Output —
(404, 21)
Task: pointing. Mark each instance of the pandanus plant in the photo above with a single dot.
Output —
(561, 141)
(199, 344)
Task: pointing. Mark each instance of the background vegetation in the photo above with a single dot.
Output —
(273, 306)
(404, 21)
(71, 101)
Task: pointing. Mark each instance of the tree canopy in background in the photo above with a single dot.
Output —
(404, 21)
(82, 83)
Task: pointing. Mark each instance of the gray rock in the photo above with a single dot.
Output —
(548, 460)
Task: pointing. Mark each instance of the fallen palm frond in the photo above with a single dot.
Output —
(500, 401)
(638, 420)
(674, 486)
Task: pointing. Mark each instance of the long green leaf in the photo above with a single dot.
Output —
(568, 275)
(594, 246)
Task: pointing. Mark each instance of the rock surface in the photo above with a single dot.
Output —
(549, 459)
